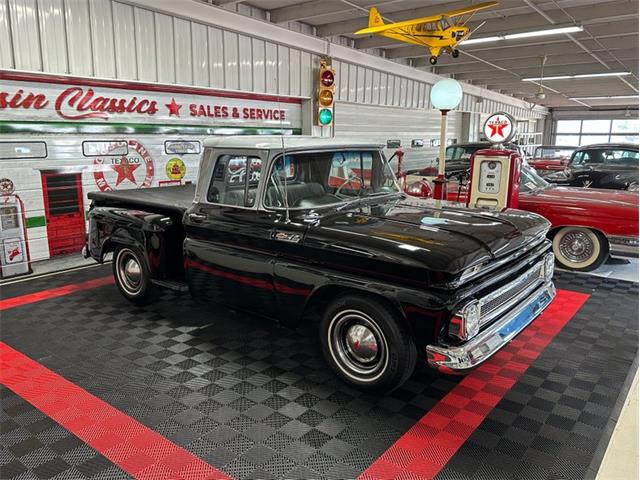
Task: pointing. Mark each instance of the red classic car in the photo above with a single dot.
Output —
(587, 225)
(550, 158)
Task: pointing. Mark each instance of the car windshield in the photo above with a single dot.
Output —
(456, 152)
(553, 152)
(608, 156)
(316, 179)
(530, 181)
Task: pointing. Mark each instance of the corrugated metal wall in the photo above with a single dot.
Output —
(379, 124)
(110, 39)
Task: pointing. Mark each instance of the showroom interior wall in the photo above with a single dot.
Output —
(221, 49)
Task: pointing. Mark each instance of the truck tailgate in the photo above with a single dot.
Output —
(168, 200)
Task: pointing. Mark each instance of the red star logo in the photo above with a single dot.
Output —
(497, 127)
(125, 171)
(174, 108)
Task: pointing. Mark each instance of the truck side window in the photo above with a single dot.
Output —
(231, 184)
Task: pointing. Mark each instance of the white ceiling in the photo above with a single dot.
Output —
(608, 43)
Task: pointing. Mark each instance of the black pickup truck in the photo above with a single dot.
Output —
(320, 229)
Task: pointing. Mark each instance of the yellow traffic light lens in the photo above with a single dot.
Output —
(325, 98)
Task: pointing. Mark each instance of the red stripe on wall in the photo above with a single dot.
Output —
(139, 451)
(53, 293)
(140, 86)
(429, 445)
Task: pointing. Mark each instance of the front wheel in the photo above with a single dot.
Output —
(132, 276)
(580, 249)
(365, 343)
(455, 53)
(433, 59)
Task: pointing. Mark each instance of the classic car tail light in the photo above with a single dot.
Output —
(465, 324)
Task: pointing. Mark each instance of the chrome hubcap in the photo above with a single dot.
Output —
(129, 272)
(358, 345)
(576, 247)
(361, 343)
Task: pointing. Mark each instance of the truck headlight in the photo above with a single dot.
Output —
(465, 324)
(549, 265)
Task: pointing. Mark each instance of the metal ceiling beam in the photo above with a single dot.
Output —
(313, 9)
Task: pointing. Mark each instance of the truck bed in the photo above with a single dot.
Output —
(169, 200)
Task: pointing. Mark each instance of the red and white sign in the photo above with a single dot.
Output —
(500, 128)
(59, 98)
(13, 251)
(135, 170)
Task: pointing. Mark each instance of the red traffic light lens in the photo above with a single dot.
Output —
(327, 78)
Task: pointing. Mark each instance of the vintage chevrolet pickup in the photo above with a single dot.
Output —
(307, 228)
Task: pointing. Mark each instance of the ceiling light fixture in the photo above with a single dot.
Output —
(580, 75)
(532, 33)
(611, 97)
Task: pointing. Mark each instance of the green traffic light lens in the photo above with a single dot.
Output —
(325, 116)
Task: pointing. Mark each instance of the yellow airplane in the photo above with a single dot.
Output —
(437, 32)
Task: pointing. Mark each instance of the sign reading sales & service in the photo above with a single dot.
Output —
(37, 100)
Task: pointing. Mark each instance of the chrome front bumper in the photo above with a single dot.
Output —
(623, 246)
(462, 358)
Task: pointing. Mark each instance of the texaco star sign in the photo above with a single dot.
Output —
(499, 128)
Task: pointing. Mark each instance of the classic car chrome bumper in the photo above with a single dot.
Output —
(462, 358)
(623, 246)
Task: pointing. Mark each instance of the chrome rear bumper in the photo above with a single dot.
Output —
(460, 359)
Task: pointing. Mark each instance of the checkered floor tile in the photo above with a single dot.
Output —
(256, 400)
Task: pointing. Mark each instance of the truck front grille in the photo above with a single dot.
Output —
(492, 305)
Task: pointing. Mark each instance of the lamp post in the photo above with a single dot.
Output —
(445, 95)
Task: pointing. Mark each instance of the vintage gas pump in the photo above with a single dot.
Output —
(494, 181)
(14, 256)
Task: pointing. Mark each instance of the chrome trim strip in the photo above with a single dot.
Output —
(618, 246)
(476, 351)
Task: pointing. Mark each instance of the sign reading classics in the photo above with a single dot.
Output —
(63, 101)
(499, 128)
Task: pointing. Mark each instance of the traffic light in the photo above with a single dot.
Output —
(326, 87)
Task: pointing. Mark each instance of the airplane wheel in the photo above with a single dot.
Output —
(455, 53)
(433, 60)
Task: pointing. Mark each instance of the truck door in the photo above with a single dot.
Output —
(228, 258)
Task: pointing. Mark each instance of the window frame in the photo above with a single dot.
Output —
(46, 150)
(204, 198)
(126, 144)
(606, 136)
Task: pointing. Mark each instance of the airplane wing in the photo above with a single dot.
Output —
(469, 9)
(389, 27)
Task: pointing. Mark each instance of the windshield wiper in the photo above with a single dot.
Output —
(372, 196)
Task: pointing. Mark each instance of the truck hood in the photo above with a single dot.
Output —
(415, 231)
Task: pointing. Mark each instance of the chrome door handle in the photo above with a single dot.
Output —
(197, 217)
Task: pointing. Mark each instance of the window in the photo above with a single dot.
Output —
(606, 156)
(230, 183)
(17, 150)
(586, 132)
(553, 152)
(315, 179)
(109, 147)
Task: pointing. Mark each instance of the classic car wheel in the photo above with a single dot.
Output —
(579, 249)
(132, 276)
(365, 344)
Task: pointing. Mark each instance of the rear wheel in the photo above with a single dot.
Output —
(455, 53)
(132, 275)
(365, 343)
(580, 249)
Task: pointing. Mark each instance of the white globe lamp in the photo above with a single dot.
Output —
(445, 95)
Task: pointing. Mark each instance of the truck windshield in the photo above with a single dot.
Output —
(315, 179)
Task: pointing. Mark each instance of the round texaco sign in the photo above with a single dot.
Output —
(499, 128)
(134, 170)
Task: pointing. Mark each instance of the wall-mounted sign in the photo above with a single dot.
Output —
(134, 170)
(6, 186)
(499, 128)
(417, 143)
(41, 100)
(176, 169)
(181, 147)
(394, 143)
